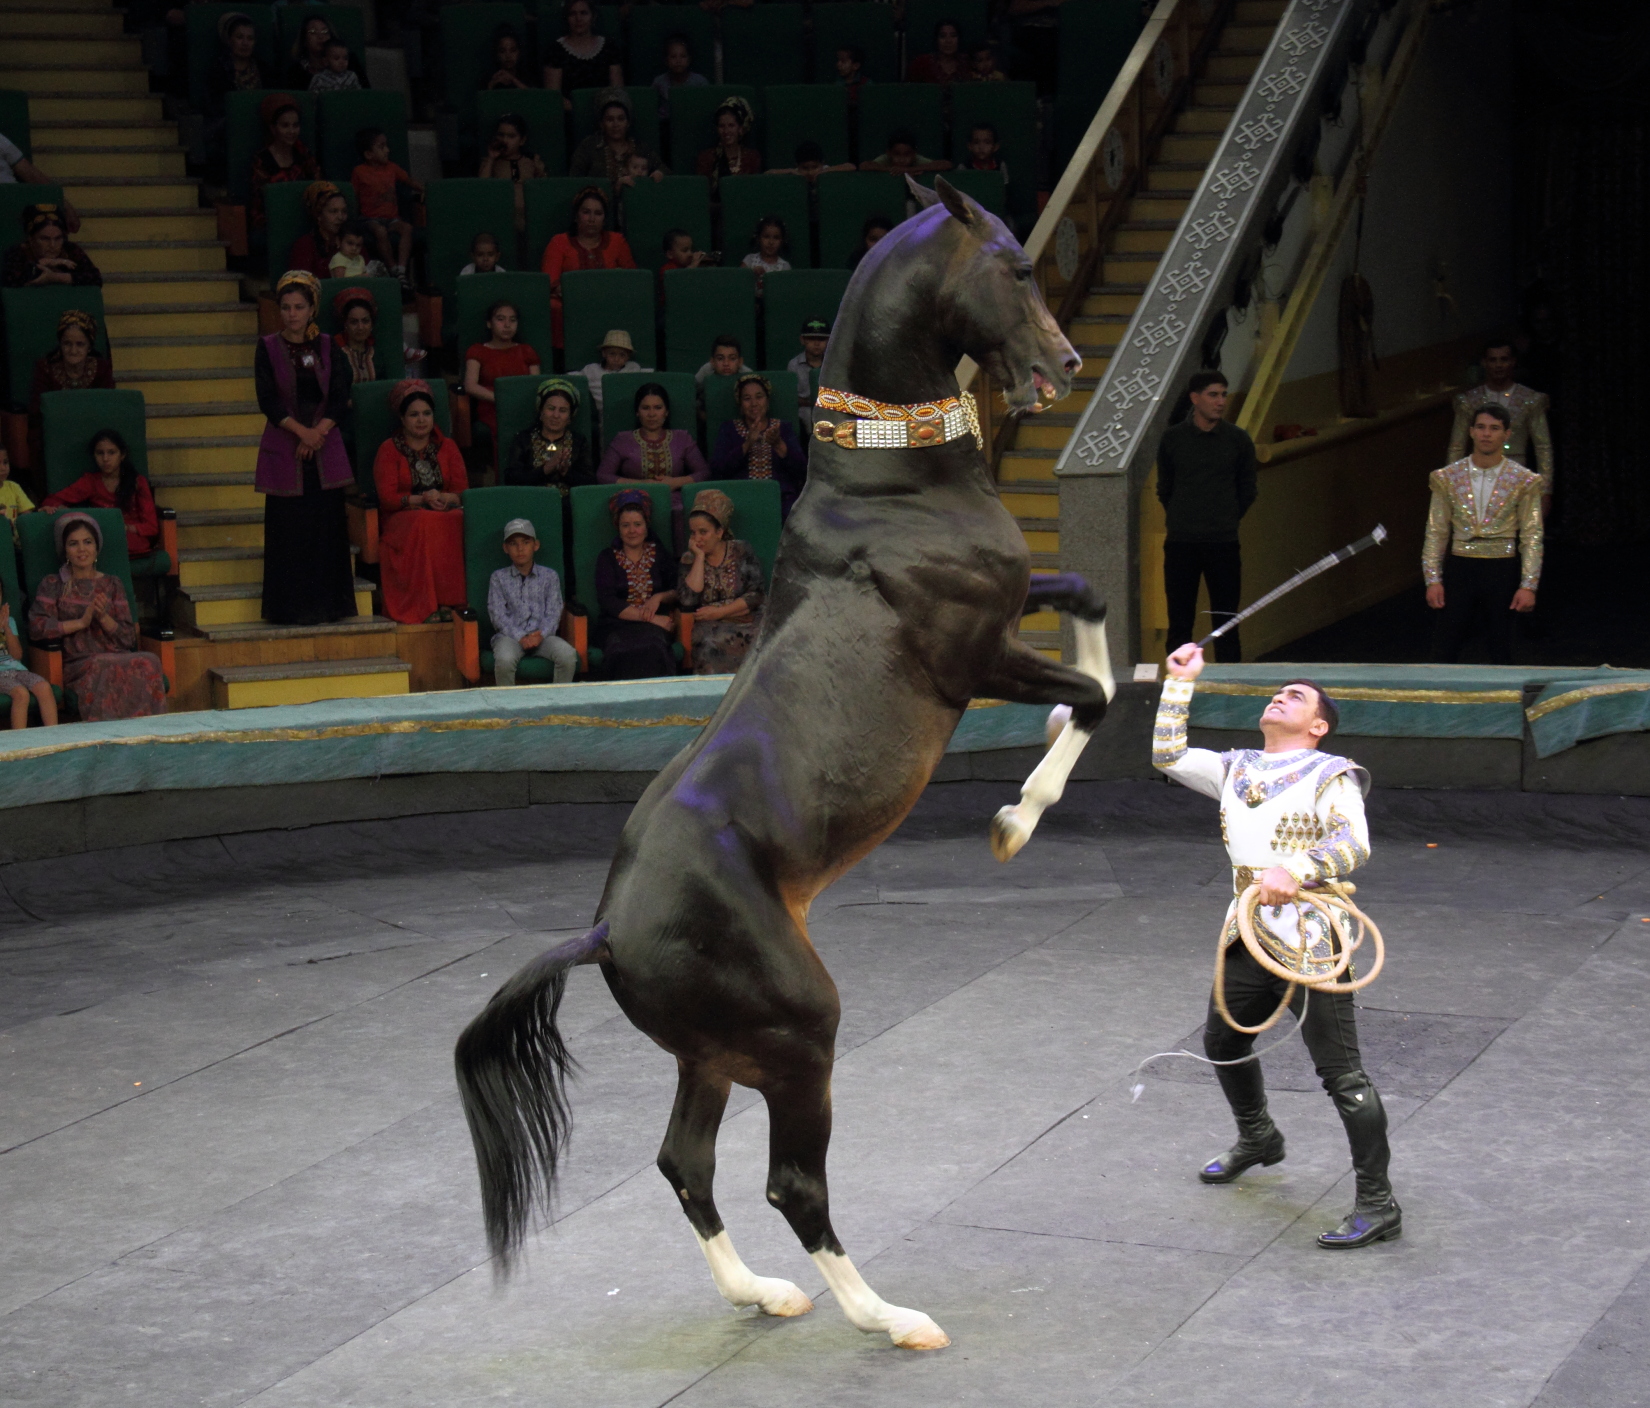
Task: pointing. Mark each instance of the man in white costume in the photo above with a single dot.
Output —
(1290, 815)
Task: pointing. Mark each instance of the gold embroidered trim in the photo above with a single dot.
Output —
(1582, 695)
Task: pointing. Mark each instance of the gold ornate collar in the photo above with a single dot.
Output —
(878, 425)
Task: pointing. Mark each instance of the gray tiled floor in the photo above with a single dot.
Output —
(233, 1169)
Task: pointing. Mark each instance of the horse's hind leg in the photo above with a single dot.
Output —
(799, 1121)
(688, 1159)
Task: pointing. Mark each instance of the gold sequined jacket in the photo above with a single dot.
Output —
(1510, 525)
(1528, 410)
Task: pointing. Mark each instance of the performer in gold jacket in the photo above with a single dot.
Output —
(1483, 543)
(1526, 409)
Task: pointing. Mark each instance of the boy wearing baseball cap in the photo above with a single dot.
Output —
(525, 604)
(815, 333)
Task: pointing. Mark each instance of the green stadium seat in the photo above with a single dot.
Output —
(644, 105)
(806, 112)
(1012, 109)
(593, 532)
(652, 25)
(459, 210)
(764, 44)
(789, 299)
(348, 22)
(14, 122)
(518, 402)
(652, 207)
(386, 325)
(540, 110)
(619, 403)
(244, 134)
(531, 295)
(284, 205)
(374, 424)
(31, 316)
(594, 300)
(549, 205)
(884, 108)
(846, 200)
(486, 511)
(202, 29)
(984, 186)
(692, 128)
(854, 22)
(755, 514)
(721, 404)
(701, 303)
(341, 115)
(15, 198)
(467, 50)
(748, 199)
(922, 16)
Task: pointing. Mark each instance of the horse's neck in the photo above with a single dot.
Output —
(886, 346)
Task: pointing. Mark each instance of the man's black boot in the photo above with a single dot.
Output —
(1259, 1140)
(1376, 1216)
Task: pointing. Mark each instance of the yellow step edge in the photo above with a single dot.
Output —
(134, 361)
(213, 496)
(1043, 542)
(191, 224)
(262, 693)
(204, 427)
(133, 107)
(102, 196)
(222, 535)
(129, 296)
(79, 165)
(174, 393)
(133, 322)
(158, 259)
(71, 80)
(220, 572)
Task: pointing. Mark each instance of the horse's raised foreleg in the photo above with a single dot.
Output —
(799, 1124)
(688, 1159)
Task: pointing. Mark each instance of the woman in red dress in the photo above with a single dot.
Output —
(484, 363)
(419, 475)
(113, 482)
(587, 244)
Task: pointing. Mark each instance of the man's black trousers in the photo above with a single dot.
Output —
(1477, 587)
(1252, 995)
(1221, 566)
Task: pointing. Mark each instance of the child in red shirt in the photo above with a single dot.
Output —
(375, 182)
(484, 363)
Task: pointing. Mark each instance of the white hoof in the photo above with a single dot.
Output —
(1009, 833)
(781, 1298)
(914, 1330)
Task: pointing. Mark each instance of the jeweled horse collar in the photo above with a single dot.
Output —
(877, 425)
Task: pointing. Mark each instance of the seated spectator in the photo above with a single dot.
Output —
(506, 60)
(586, 244)
(17, 169)
(769, 246)
(636, 169)
(113, 482)
(283, 157)
(730, 157)
(727, 358)
(46, 255)
(850, 71)
(13, 500)
(902, 157)
(616, 354)
(328, 213)
(72, 366)
(18, 680)
(336, 75)
(810, 163)
(419, 475)
(721, 584)
(309, 55)
(678, 72)
(376, 181)
(235, 69)
(524, 603)
(88, 612)
(816, 333)
(635, 587)
(581, 58)
(607, 151)
(983, 147)
(355, 311)
(484, 363)
(350, 260)
(946, 64)
(483, 256)
(550, 453)
(653, 453)
(680, 254)
(758, 445)
(983, 60)
(874, 228)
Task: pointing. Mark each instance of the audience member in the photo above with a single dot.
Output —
(350, 260)
(235, 69)
(983, 60)
(850, 71)
(607, 151)
(19, 681)
(653, 453)
(376, 181)
(46, 255)
(721, 584)
(810, 163)
(874, 228)
(336, 75)
(983, 146)
(87, 611)
(73, 365)
(17, 169)
(902, 157)
(283, 157)
(946, 64)
(483, 256)
(309, 55)
(328, 213)
(507, 157)
(506, 60)
(616, 354)
(484, 363)
(635, 586)
(303, 469)
(769, 246)
(13, 500)
(355, 311)
(524, 603)
(113, 482)
(550, 454)
(680, 254)
(730, 157)
(581, 58)
(587, 243)
(757, 445)
(816, 333)
(419, 474)
(678, 72)
(727, 358)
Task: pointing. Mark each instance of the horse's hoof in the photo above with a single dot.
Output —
(783, 1299)
(1009, 833)
(914, 1330)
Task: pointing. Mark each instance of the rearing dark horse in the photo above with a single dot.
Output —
(896, 596)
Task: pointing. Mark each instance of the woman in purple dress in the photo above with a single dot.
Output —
(757, 445)
(303, 384)
(653, 453)
(88, 612)
(635, 589)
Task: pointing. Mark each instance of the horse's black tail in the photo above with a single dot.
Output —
(512, 1070)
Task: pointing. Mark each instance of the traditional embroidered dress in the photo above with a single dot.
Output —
(720, 646)
(1528, 410)
(109, 678)
(632, 650)
(421, 550)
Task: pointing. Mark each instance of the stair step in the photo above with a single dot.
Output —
(108, 54)
(195, 475)
(233, 383)
(240, 603)
(71, 134)
(68, 164)
(214, 288)
(1203, 119)
(349, 626)
(149, 356)
(156, 256)
(306, 681)
(51, 24)
(172, 319)
(106, 194)
(219, 566)
(221, 528)
(70, 82)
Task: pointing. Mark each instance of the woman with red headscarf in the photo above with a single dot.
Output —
(284, 157)
(328, 213)
(419, 475)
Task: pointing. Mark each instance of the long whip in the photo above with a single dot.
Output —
(1323, 564)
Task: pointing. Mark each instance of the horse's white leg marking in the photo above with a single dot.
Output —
(1011, 828)
(867, 1311)
(741, 1286)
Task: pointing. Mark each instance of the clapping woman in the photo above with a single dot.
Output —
(758, 445)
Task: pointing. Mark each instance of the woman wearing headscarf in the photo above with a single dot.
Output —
(355, 311)
(328, 213)
(756, 445)
(73, 365)
(46, 255)
(607, 151)
(87, 611)
(549, 453)
(721, 583)
(283, 157)
(303, 390)
(587, 243)
(730, 157)
(309, 54)
(235, 69)
(634, 582)
(653, 453)
(419, 474)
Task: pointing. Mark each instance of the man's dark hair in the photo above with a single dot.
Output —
(727, 339)
(1202, 381)
(809, 151)
(1328, 710)
(1501, 413)
(1495, 342)
(365, 137)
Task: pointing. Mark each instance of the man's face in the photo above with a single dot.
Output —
(1210, 403)
(1499, 364)
(486, 258)
(1488, 435)
(980, 145)
(813, 348)
(519, 548)
(901, 154)
(1294, 709)
(724, 361)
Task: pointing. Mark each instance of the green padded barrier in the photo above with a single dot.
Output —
(15, 198)
(341, 115)
(701, 303)
(764, 44)
(619, 401)
(921, 16)
(789, 299)
(595, 300)
(884, 108)
(755, 514)
(69, 419)
(549, 206)
(984, 186)
(31, 316)
(374, 424)
(459, 210)
(748, 199)
(39, 550)
(540, 110)
(486, 511)
(1012, 109)
(644, 108)
(347, 21)
(551, 25)
(593, 531)
(244, 134)
(284, 205)
(531, 295)
(467, 49)
(721, 404)
(854, 22)
(805, 112)
(652, 207)
(386, 324)
(202, 22)
(518, 404)
(846, 200)
(14, 120)
(652, 25)
(692, 128)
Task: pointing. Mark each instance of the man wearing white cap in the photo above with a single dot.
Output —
(524, 603)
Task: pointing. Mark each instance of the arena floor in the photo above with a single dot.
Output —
(234, 1169)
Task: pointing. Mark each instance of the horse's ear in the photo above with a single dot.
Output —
(921, 194)
(964, 207)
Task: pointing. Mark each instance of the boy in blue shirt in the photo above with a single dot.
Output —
(525, 604)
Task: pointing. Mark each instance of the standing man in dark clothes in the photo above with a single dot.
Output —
(1206, 481)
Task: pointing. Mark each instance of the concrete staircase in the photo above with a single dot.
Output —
(1025, 475)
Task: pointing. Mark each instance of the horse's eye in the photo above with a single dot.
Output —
(1022, 274)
